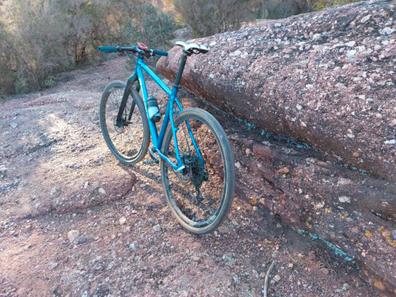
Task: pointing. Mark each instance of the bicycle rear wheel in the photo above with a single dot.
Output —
(128, 141)
(201, 195)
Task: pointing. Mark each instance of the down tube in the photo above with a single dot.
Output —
(153, 129)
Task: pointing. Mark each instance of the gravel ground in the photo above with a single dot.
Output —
(74, 222)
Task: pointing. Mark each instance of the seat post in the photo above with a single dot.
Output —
(182, 63)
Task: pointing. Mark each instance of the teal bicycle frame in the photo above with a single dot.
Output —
(157, 140)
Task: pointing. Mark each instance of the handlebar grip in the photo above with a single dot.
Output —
(108, 49)
(160, 53)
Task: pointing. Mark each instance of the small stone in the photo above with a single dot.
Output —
(157, 228)
(236, 53)
(387, 31)
(248, 152)
(299, 107)
(229, 260)
(351, 54)
(350, 134)
(276, 278)
(195, 258)
(365, 18)
(283, 170)
(102, 191)
(13, 125)
(82, 239)
(238, 165)
(55, 192)
(394, 234)
(350, 43)
(391, 141)
(122, 220)
(133, 246)
(344, 199)
(344, 288)
(73, 235)
(236, 279)
(52, 265)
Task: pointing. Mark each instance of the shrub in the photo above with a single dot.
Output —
(210, 17)
(39, 38)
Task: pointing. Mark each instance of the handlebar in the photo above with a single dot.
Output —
(147, 52)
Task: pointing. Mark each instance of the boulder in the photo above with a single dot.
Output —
(353, 215)
(327, 78)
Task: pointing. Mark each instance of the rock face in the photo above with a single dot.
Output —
(327, 78)
(341, 206)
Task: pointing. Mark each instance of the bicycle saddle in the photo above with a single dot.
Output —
(192, 48)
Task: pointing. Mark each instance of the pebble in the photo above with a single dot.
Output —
(238, 165)
(276, 278)
(391, 141)
(283, 170)
(55, 191)
(344, 287)
(52, 265)
(387, 31)
(13, 125)
(351, 54)
(133, 246)
(344, 199)
(236, 279)
(394, 234)
(235, 53)
(350, 43)
(365, 18)
(229, 260)
(122, 220)
(73, 235)
(157, 228)
(195, 258)
(102, 191)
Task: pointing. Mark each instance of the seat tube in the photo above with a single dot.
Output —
(182, 64)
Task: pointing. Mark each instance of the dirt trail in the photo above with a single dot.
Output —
(73, 222)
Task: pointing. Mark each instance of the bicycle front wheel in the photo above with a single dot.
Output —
(201, 195)
(128, 140)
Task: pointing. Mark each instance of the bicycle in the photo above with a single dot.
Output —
(197, 167)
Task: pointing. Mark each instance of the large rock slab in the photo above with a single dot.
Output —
(327, 78)
(353, 215)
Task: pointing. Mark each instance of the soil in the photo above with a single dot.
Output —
(74, 222)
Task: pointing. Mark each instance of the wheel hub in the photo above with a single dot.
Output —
(118, 126)
(195, 170)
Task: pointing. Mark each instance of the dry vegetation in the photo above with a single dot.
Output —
(39, 38)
